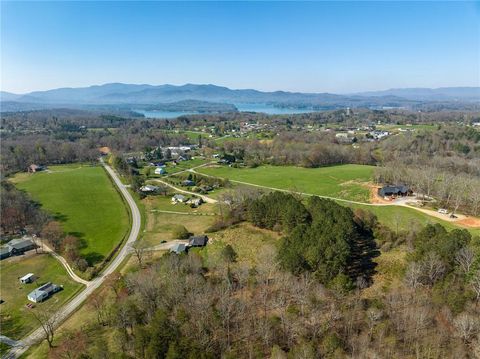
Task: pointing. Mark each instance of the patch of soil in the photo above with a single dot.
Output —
(374, 197)
(470, 222)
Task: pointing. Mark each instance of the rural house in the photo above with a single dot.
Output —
(397, 191)
(20, 245)
(188, 183)
(43, 292)
(149, 188)
(178, 248)
(179, 198)
(198, 241)
(160, 171)
(195, 202)
(4, 252)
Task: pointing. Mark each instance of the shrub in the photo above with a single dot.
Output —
(180, 232)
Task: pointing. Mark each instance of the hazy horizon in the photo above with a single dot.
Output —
(315, 47)
(234, 88)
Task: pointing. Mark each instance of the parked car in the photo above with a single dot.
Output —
(442, 211)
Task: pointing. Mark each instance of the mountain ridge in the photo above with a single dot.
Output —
(145, 94)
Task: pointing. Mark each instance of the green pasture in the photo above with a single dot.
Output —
(84, 200)
(343, 181)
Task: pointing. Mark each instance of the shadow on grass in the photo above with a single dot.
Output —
(11, 325)
(60, 217)
(93, 258)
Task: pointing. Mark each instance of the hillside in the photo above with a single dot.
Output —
(130, 94)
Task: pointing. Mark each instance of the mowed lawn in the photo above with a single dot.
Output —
(342, 181)
(85, 202)
(16, 320)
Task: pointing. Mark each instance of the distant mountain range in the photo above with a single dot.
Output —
(128, 95)
(427, 94)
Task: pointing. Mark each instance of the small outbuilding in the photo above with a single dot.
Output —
(104, 151)
(35, 168)
(198, 241)
(27, 278)
(178, 248)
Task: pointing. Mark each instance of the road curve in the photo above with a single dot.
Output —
(62, 260)
(76, 302)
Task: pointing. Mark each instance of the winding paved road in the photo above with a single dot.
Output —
(76, 302)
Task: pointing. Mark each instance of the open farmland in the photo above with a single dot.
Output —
(84, 201)
(404, 218)
(343, 181)
(15, 319)
(163, 218)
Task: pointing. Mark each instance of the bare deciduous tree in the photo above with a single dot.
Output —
(475, 283)
(413, 275)
(48, 321)
(433, 268)
(140, 251)
(464, 259)
(467, 326)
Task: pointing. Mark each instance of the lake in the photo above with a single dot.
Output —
(242, 107)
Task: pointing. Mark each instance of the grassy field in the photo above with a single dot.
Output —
(402, 218)
(343, 181)
(15, 319)
(86, 203)
(416, 127)
(160, 225)
(247, 241)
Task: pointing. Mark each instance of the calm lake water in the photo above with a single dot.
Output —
(242, 107)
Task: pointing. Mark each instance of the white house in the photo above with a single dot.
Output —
(148, 188)
(160, 171)
(43, 292)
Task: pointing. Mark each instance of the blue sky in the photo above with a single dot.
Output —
(335, 47)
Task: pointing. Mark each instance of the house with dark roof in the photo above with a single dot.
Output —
(198, 241)
(20, 245)
(43, 292)
(4, 252)
(397, 191)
